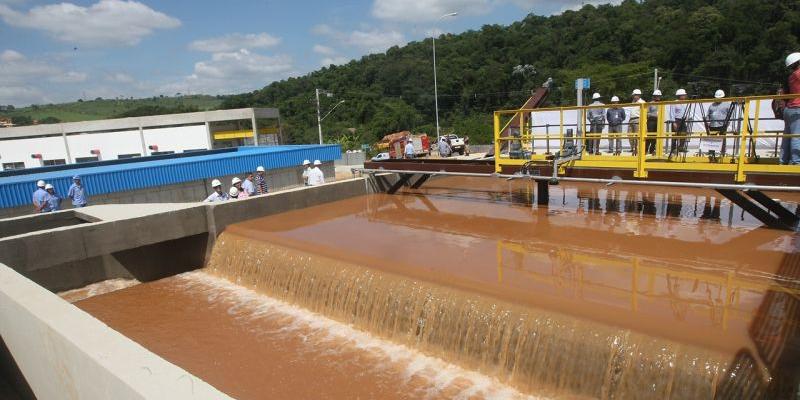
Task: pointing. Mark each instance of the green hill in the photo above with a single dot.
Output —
(111, 108)
(738, 45)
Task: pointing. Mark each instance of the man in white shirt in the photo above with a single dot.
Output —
(218, 194)
(315, 175)
(306, 169)
(409, 150)
(248, 185)
(678, 114)
(633, 121)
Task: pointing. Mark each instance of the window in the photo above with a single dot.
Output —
(126, 156)
(13, 165)
(158, 153)
(86, 159)
(59, 161)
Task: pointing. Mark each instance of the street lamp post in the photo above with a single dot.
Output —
(320, 119)
(435, 84)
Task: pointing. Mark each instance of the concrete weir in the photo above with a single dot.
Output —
(52, 349)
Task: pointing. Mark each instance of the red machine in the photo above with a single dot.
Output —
(397, 145)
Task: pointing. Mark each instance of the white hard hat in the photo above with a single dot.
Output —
(233, 192)
(216, 183)
(48, 186)
(316, 162)
(235, 180)
(596, 96)
(719, 94)
(306, 162)
(636, 91)
(260, 169)
(656, 92)
(791, 59)
(680, 92)
(40, 183)
(615, 99)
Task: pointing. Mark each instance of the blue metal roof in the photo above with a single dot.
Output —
(17, 190)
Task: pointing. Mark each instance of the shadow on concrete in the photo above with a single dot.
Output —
(13, 385)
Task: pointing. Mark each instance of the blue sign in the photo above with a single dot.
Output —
(583, 83)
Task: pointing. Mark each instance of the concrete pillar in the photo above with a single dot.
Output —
(141, 138)
(66, 144)
(209, 136)
(255, 130)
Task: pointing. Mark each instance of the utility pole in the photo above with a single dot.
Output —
(435, 86)
(319, 120)
(655, 79)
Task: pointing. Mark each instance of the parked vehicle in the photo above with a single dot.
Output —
(381, 157)
(457, 144)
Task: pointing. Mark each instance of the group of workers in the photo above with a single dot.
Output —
(45, 198)
(256, 184)
(717, 120)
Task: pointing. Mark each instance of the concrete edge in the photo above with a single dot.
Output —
(64, 352)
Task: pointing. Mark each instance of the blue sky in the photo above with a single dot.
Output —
(55, 52)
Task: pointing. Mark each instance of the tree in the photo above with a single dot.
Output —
(21, 120)
(49, 120)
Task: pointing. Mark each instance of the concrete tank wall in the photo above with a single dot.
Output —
(65, 353)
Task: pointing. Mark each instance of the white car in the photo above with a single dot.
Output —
(381, 157)
(457, 144)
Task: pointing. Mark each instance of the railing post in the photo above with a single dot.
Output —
(561, 130)
(522, 132)
(660, 131)
(640, 152)
(754, 140)
(744, 132)
(497, 167)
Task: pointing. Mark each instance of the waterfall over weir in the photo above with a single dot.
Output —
(536, 351)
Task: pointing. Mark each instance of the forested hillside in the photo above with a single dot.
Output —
(738, 45)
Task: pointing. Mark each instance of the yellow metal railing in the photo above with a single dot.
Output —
(745, 129)
(242, 134)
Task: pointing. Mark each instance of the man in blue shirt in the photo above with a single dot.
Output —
(77, 192)
(53, 200)
(39, 197)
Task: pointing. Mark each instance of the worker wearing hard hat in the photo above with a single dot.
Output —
(234, 193)
(218, 194)
(248, 185)
(678, 113)
(615, 116)
(408, 151)
(790, 146)
(597, 119)
(53, 200)
(718, 119)
(261, 180)
(77, 192)
(633, 121)
(652, 123)
(237, 184)
(315, 175)
(39, 196)
(306, 168)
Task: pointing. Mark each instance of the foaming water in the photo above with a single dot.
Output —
(95, 289)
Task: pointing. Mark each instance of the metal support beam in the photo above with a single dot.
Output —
(542, 193)
(422, 179)
(404, 178)
(751, 208)
(786, 217)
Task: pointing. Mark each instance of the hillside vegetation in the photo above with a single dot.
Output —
(738, 45)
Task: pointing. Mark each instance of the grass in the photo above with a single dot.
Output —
(102, 109)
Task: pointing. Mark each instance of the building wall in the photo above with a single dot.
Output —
(191, 191)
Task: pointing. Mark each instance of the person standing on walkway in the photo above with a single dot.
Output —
(261, 180)
(790, 146)
(315, 176)
(240, 193)
(597, 119)
(77, 192)
(218, 194)
(633, 121)
(652, 123)
(679, 117)
(718, 118)
(39, 197)
(615, 117)
(409, 149)
(248, 185)
(52, 201)
(306, 170)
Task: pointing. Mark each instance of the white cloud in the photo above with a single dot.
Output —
(105, 23)
(233, 72)
(324, 50)
(427, 10)
(25, 80)
(235, 41)
(120, 77)
(335, 60)
(370, 40)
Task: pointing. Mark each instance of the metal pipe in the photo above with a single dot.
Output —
(694, 185)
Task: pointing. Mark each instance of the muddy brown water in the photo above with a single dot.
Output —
(608, 292)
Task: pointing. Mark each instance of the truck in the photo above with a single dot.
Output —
(457, 144)
(395, 144)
